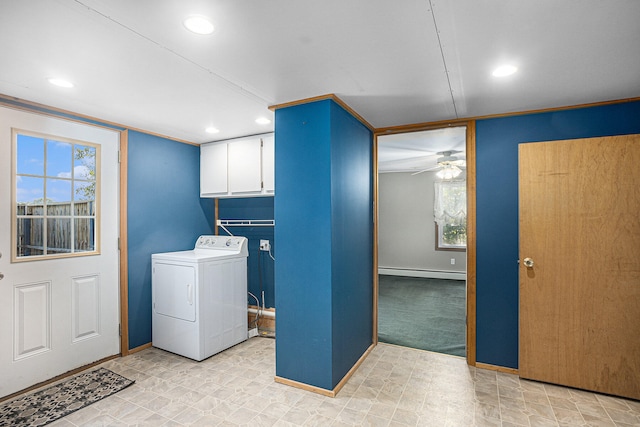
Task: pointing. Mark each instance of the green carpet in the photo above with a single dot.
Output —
(427, 314)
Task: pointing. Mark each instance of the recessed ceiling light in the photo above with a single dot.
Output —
(61, 83)
(263, 121)
(198, 24)
(211, 129)
(504, 70)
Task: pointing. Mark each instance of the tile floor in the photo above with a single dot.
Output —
(395, 386)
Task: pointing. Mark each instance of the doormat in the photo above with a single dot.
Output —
(45, 406)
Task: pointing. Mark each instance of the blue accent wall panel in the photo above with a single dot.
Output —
(352, 240)
(303, 231)
(324, 228)
(497, 211)
(260, 266)
(165, 213)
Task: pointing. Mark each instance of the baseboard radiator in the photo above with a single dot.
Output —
(429, 274)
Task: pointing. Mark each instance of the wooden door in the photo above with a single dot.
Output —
(580, 226)
(59, 313)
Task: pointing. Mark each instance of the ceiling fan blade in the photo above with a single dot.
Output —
(426, 170)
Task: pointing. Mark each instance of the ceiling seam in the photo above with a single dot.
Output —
(444, 62)
(240, 89)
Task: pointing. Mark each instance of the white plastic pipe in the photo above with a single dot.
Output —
(265, 313)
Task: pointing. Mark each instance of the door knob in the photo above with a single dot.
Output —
(528, 262)
(1, 276)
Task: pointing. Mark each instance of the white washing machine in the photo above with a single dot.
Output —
(200, 297)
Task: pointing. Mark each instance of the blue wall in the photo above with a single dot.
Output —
(165, 213)
(260, 266)
(352, 240)
(497, 211)
(323, 279)
(303, 232)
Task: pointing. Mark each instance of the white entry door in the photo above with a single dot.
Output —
(59, 292)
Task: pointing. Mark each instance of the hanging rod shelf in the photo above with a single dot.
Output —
(246, 222)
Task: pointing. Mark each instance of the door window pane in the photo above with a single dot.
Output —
(29, 195)
(30, 159)
(84, 191)
(55, 193)
(58, 159)
(84, 234)
(58, 197)
(29, 231)
(84, 166)
(58, 235)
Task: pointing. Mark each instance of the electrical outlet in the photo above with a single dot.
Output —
(453, 261)
(265, 245)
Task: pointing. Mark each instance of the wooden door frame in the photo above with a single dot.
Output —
(123, 246)
(471, 224)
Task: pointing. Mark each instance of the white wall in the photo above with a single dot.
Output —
(406, 229)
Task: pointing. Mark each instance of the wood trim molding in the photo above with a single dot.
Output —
(330, 96)
(502, 369)
(376, 264)
(302, 101)
(471, 242)
(124, 252)
(140, 348)
(353, 369)
(324, 391)
(306, 387)
(419, 127)
(35, 107)
(553, 109)
(461, 122)
(216, 216)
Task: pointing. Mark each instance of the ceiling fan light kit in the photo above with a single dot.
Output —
(449, 172)
(449, 165)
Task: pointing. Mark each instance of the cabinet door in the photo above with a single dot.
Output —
(213, 169)
(268, 164)
(244, 166)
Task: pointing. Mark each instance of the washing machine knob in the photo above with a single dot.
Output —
(228, 242)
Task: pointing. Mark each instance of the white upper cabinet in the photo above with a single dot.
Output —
(238, 168)
(213, 170)
(268, 164)
(245, 175)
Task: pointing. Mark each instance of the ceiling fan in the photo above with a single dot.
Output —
(448, 165)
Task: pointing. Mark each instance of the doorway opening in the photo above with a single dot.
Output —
(422, 219)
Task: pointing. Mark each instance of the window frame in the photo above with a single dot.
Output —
(441, 246)
(15, 133)
(440, 190)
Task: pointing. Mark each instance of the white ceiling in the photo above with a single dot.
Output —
(394, 62)
(419, 151)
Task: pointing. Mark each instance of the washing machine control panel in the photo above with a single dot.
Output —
(220, 242)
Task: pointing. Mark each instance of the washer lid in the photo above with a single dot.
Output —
(195, 255)
(209, 248)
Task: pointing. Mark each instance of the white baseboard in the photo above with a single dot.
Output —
(430, 274)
